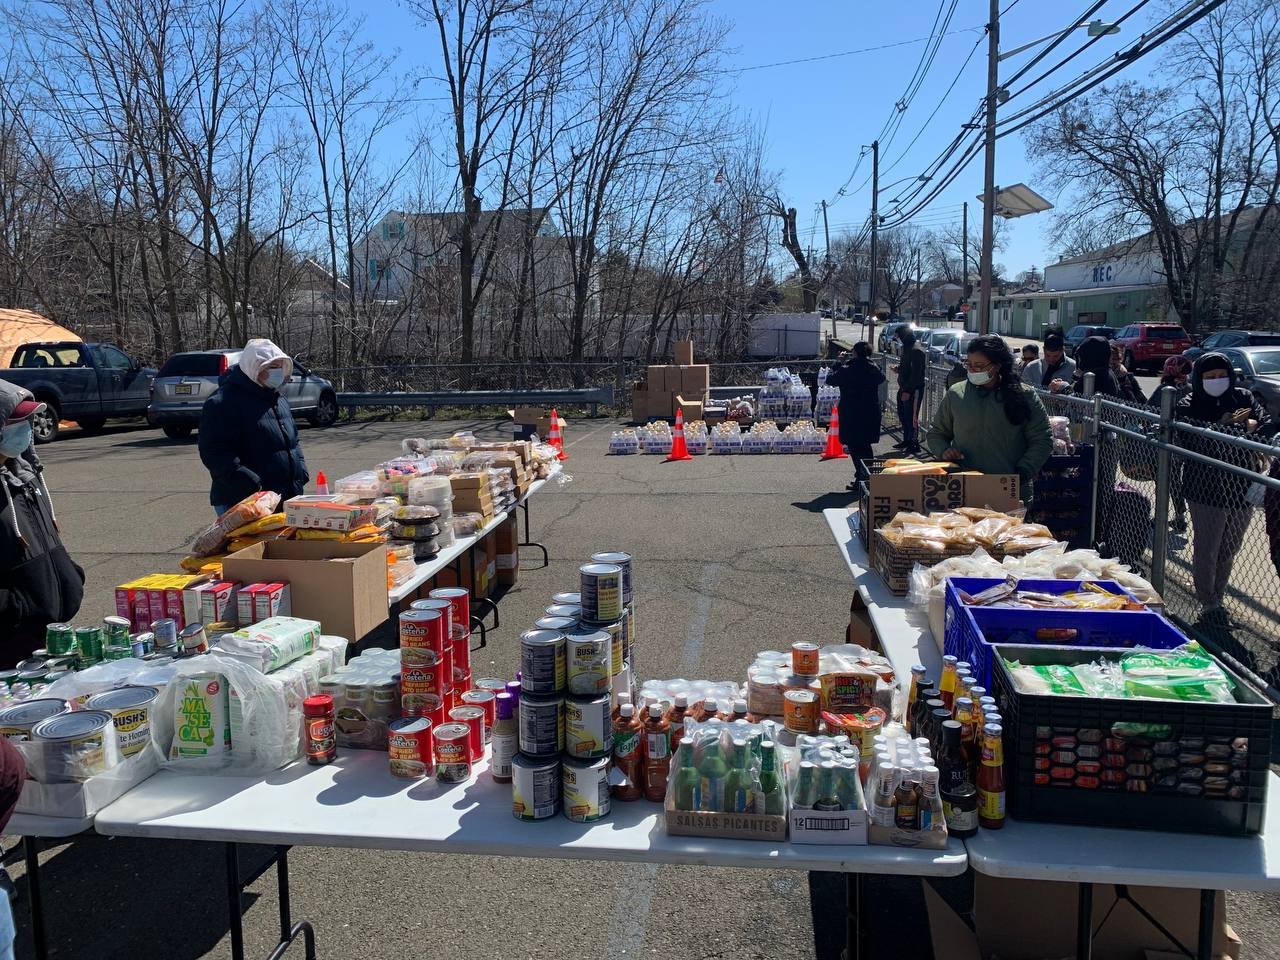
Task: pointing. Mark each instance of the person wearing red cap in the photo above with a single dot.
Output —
(39, 582)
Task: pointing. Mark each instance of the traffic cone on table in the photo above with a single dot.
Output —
(555, 439)
(834, 450)
(678, 449)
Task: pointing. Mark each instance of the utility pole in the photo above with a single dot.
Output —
(826, 268)
(919, 285)
(964, 259)
(875, 232)
(989, 168)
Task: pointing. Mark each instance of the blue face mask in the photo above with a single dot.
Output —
(15, 439)
(275, 378)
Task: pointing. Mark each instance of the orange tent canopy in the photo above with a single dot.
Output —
(23, 326)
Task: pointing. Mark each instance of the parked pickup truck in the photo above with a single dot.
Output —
(89, 383)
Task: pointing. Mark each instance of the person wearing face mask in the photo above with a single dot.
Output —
(1055, 372)
(248, 440)
(39, 582)
(1220, 512)
(992, 422)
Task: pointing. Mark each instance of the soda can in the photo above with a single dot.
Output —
(409, 748)
(585, 789)
(542, 662)
(486, 701)
(541, 722)
(601, 592)
(588, 731)
(453, 756)
(60, 638)
(473, 717)
(623, 562)
(165, 631)
(459, 598)
(89, 641)
(535, 787)
(588, 662)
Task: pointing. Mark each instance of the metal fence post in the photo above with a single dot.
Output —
(1164, 472)
(1093, 433)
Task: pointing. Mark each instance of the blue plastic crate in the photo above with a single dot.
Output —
(970, 631)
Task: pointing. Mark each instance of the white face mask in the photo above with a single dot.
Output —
(980, 378)
(1217, 386)
(275, 378)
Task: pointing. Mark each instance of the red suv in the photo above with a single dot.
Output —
(1148, 344)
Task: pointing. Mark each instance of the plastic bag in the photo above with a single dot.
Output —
(272, 643)
(1186, 673)
(253, 507)
(727, 758)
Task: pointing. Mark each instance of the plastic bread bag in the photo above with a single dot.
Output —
(253, 507)
(1187, 673)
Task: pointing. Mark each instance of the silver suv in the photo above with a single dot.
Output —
(187, 380)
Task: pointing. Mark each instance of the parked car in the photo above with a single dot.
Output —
(892, 344)
(187, 380)
(937, 340)
(89, 383)
(1221, 339)
(1258, 370)
(887, 335)
(1150, 344)
(953, 354)
(1079, 334)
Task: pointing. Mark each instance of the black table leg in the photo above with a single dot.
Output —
(234, 904)
(493, 608)
(1208, 904)
(528, 540)
(855, 918)
(1084, 921)
(31, 851)
(289, 931)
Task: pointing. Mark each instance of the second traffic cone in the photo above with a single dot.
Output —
(678, 449)
(555, 439)
(834, 450)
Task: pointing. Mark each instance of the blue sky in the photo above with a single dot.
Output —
(819, 113)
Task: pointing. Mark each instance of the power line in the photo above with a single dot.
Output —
(843, 53)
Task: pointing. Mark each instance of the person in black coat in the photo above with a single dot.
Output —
(248, 439)
(861, 385)
(39, 582)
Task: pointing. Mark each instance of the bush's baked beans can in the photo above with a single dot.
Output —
(461, 646)
(542, 662)
(558, 624)
(588, 732)
(422, 632)
(535, 787)
(452, 752)
(601, 592)
(17, 720)
(541, 725)
(571, 610)
(623, 562)
(486, 701)
(130, 709)
(460, 598)
(588, 661)
(800, 711)
(473, 717)
(585, 789)
(617, 642)
(571, 598)
(804, 658)
(409, 748)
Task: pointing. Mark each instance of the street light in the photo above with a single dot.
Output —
(995, 96)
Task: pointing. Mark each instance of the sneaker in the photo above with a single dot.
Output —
(901, 445)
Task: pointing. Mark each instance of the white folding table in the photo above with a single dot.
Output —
(355, 802)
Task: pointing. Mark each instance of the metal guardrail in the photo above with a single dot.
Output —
(592, 396)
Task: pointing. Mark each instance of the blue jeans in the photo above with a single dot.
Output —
(220, 510)
(7, 931)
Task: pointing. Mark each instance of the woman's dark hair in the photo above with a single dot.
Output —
(862, 349)
(1009, 389)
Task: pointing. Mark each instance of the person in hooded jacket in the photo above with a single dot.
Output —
(248, 440)
(1220, 512)
(1111, 380)
(861, 385)
(39, 582)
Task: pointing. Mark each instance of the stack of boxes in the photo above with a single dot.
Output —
(472, 494)
(683, 386)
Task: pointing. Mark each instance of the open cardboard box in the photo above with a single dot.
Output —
(343, 585)
(887, 496)
(536, 418)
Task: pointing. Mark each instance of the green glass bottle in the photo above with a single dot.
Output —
(712, 773)
(688, 784)
(828, 793)
(739, 788)
(806, 794)
(775, 801)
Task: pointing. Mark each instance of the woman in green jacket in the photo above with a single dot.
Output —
(992, 422)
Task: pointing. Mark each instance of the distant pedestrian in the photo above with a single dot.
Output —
(1130, 390)
(912, 369)
(1055, 372)
(1094, 355)
(861, 384)
(248, 440)
(1175, 376)
(1030, 354)
(39, 582)
(1220, 510)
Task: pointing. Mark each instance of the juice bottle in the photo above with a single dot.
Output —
(991, 778)
(627, 756)
(770, 782)
(686, 787)
(708, 711)
(740, 710)
(739, 785)
(948, 684)
(622, 699)
(656, 746)
(679, 710)
(712, 773)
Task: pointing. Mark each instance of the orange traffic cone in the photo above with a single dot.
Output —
(555, 439)
(678, 450)
(834, 450)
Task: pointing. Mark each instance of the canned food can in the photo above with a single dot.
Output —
(617, 642)
(89, 641)
(623, 562)
(571, 611)
(459, 598)
(804, 658)
(437, 603)
(541, 725)
(422, 632)
(542, 662)
(8, 677)
(30, 677)
(494, 685)
(114, 629)
(473, 717)
(558, 624)
(460, 645)
(587, 728)
(419, 682)
(140, 644)
(585, 789)
(16, 721)
(409, 748)
(166, 632)
(601, 592)
(76, 746)
(130, 709)
(571, 598)
(588, 662)
(53, 676)
(60, 638)
(452, 752)
(486, 701)
(800, 711)
(193, 639)
(535, 787)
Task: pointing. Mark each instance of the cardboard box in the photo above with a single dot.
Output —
(733, 826)
(656, 378)
(468, 481)
(695, 381)
(648, 404)
(506, 537)
(671, 382)
(76, 801)
(860, 629)
(218, 601)
(343, 585)
(886, 497)
(843, 827)
(935, 838)
(689, 409)
(508, 568)
(684, 352)
(537, 419)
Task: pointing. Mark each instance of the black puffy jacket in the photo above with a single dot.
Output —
(249, 442)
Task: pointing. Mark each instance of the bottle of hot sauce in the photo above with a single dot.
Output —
(991, 778)
(678, 712)
(656, 746)
(948, 683)
(627, 755)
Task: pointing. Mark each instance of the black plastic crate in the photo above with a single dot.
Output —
(1138, 763)
(1068, 467)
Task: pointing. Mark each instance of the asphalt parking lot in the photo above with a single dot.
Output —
(731, 557)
